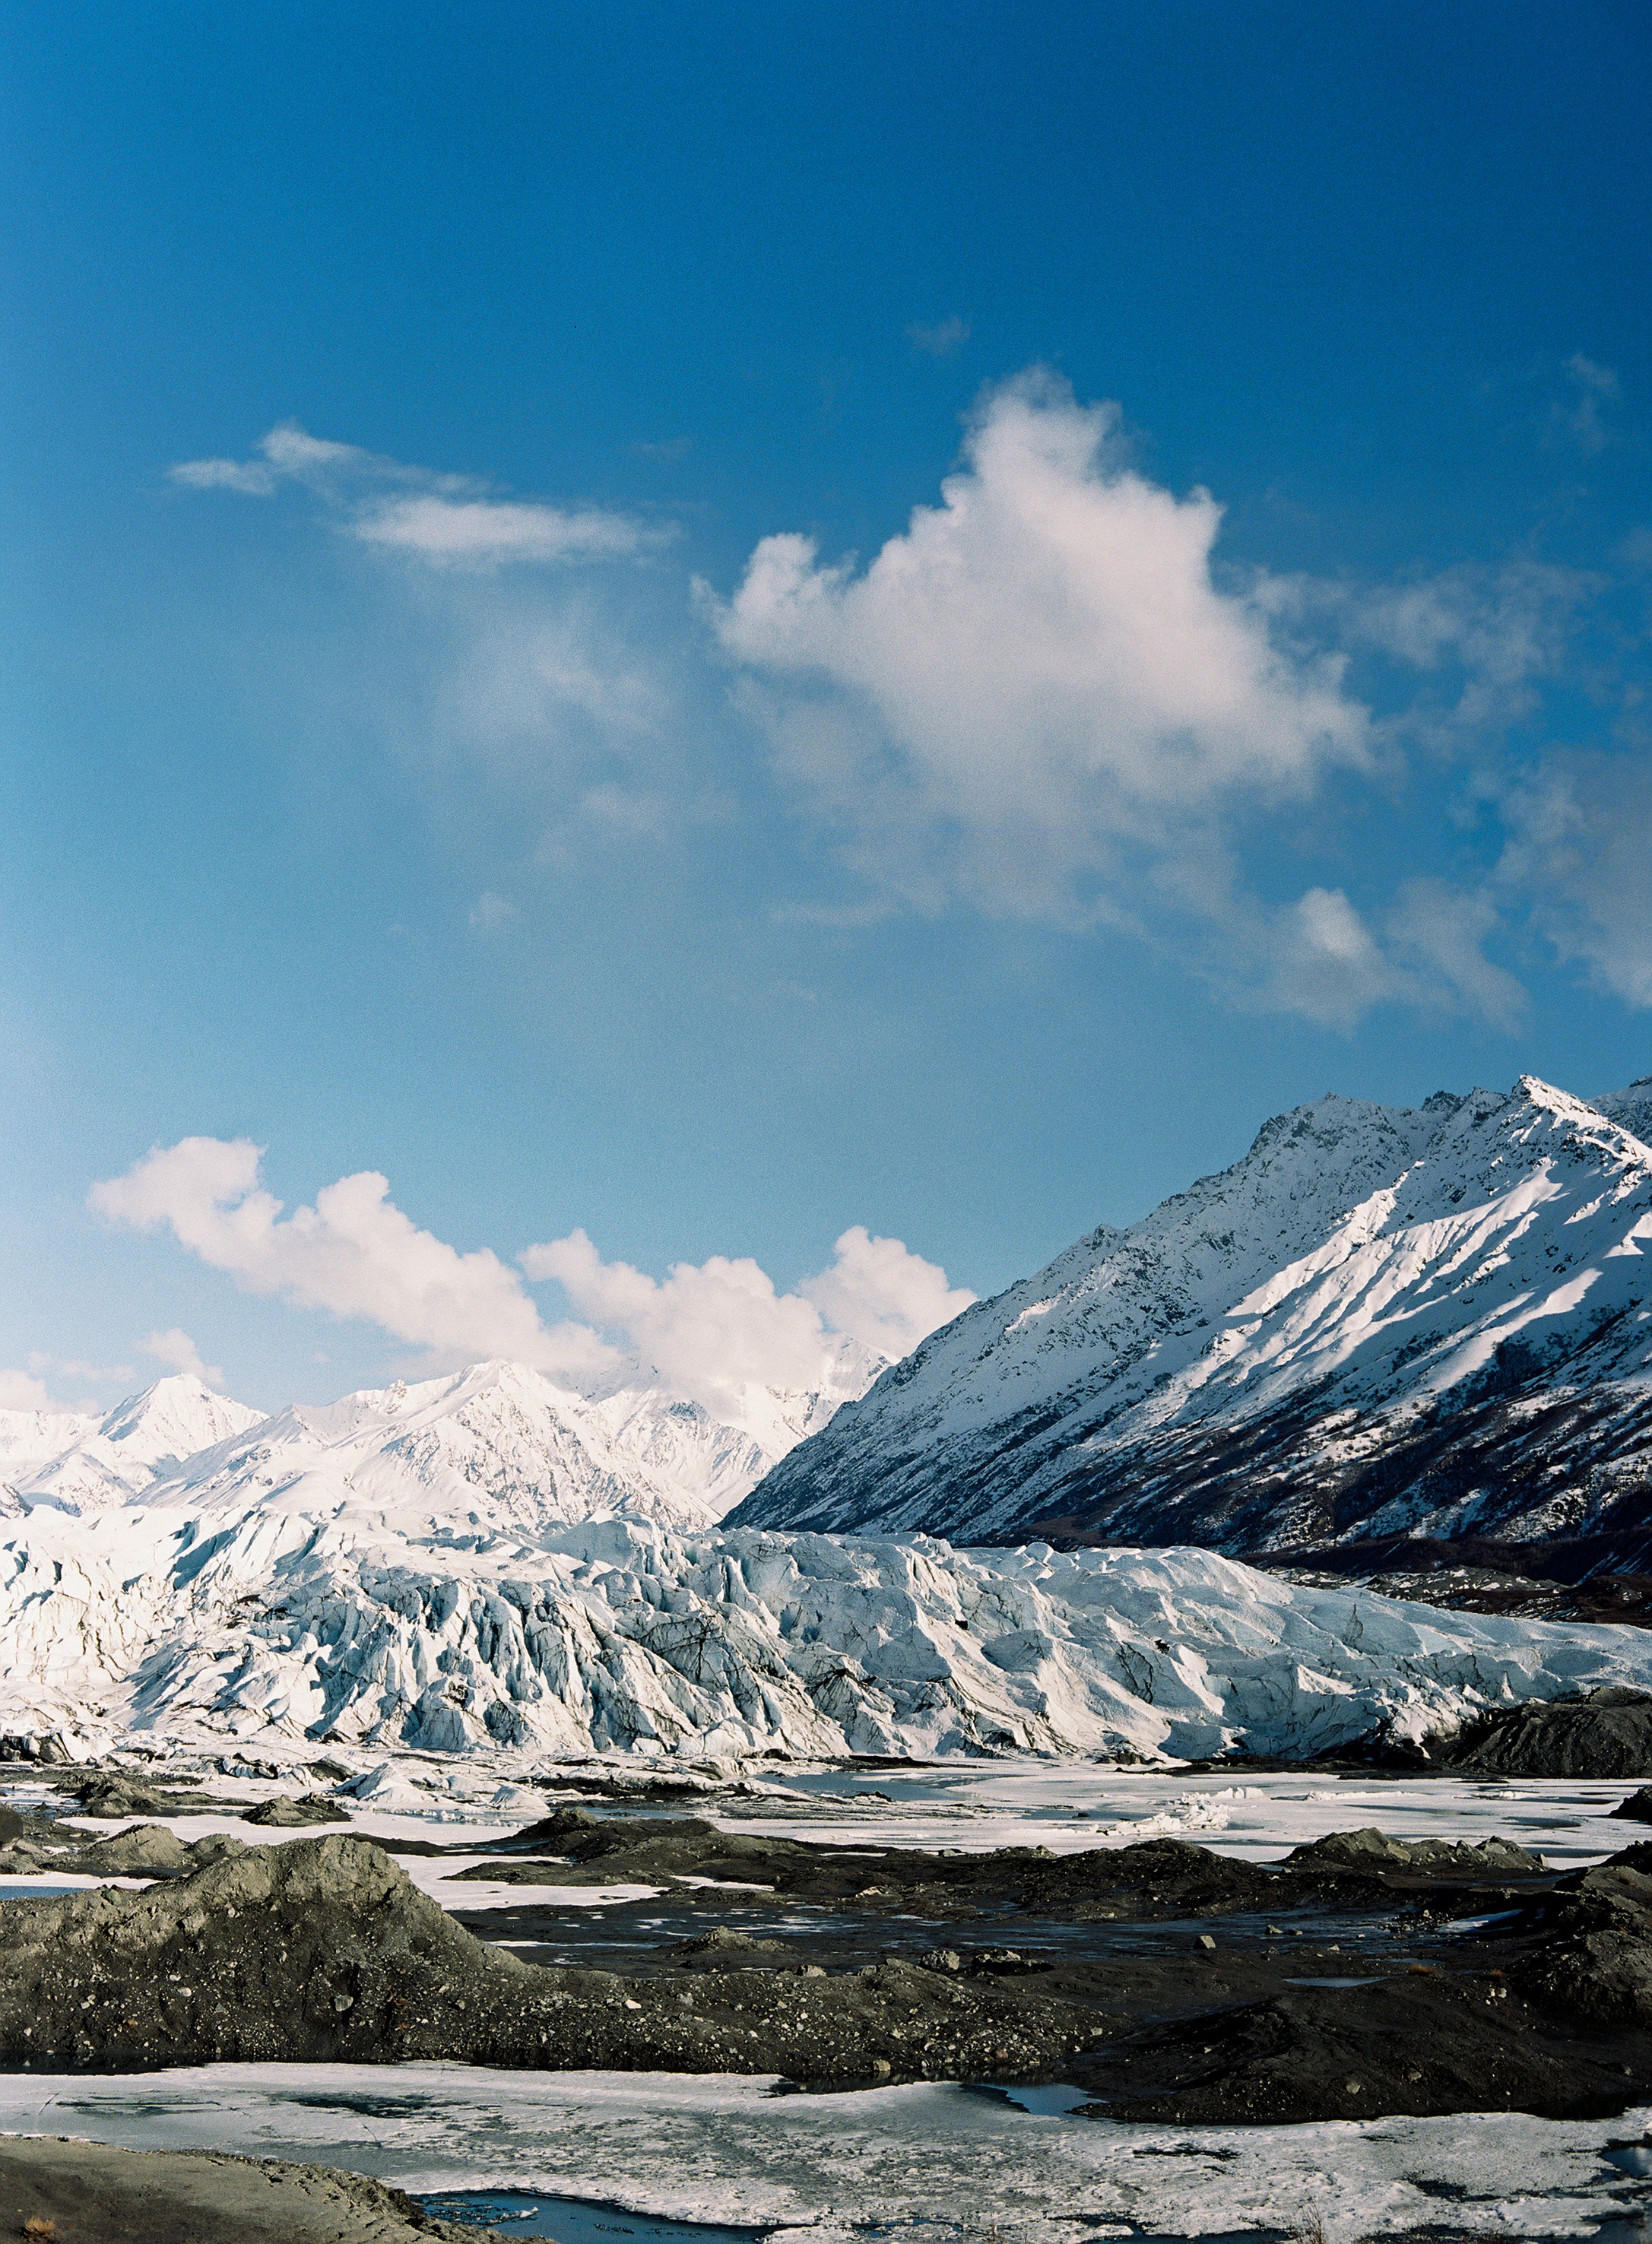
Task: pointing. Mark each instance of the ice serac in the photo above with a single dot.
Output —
(1421, 1323)
(275, 1622)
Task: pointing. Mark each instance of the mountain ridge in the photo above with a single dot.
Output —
(500, 1437)
(1334, 1339)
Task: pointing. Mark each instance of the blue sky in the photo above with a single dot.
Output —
(480, 708)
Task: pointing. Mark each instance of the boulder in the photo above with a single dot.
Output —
(1370, 1848)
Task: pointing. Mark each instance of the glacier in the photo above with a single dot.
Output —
(1382, 1322)
(270, 1615)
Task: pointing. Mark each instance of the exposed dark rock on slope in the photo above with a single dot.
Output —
(1609, 1734)
(1382, 1324)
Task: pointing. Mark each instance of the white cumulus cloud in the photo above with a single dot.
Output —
(708, 1331)
(20, 1390)
(885, 1295)
(1036, 677)
(711, 1328)
(354, 1254)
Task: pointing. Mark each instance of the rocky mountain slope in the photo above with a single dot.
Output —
(1381, 1323)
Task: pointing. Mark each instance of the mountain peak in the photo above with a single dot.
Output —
(1419, 1280)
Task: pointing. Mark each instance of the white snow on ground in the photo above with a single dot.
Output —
(956, 2159)
(280, 1614)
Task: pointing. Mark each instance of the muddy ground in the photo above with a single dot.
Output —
(1357, 1977)
(1360, 1977)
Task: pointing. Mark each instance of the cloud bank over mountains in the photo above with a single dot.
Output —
(707, 1332)
(1049, 699)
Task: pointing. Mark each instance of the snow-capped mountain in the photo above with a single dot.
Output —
(496, 1446)
(1382, 1322)
(81, 1462)
(496, 1449)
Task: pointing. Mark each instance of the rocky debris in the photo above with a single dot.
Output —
(1422, 2041)
(293, 1815)
(1606, 1733)
(1370, 1848)
(1594, 1960)
(320, 1951)
(148, 1850)
(724, 1948)
(112, 1798)
(90, 2190)
(1637, 1809)
(1158, 1877)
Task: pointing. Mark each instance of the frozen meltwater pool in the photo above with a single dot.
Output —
(619, 2151)
(1064, 1805)
(573, 2221)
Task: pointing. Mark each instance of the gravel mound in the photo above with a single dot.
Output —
(1606, 1734)
(1462, 1857)
(148, 1850)
(89, 2191)
(112, 1798)
(323, 1952)
(294, 1814)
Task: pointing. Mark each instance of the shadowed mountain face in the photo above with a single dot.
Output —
(1383, 1325)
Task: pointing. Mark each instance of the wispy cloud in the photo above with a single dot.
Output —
(1579, 855)
(178, 1352)
(1595, 389)
(442, 520)
(940, 338)
(1047, 699)
(1320, 958)
(492, 911)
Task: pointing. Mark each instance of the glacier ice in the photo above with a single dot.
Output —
(270, 1615)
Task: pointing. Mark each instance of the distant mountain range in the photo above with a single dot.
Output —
(1384, 1329)
(1384, 1324)
(497, 1444)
